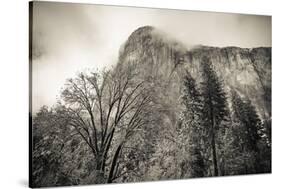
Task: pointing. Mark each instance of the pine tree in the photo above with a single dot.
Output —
(250, 132)
(215, 108)
(192, 127)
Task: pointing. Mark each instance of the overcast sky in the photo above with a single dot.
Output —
(68, 38)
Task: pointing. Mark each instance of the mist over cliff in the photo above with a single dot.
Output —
(166, 60)
(166, 110)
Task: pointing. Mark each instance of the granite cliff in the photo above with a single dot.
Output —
(164, 61)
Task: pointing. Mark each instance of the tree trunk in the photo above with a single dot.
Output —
(213, 143)
(107, 146)
(100, 171)
(214, 153)
(114, 161)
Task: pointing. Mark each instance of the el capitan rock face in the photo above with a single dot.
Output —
(170, 107)
(165, 61)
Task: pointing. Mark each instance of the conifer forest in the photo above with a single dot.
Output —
(162, 111)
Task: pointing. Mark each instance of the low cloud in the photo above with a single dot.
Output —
(72, 37)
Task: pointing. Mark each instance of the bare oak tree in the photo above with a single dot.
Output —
(106, 107)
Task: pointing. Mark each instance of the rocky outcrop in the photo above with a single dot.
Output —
(164, 61)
